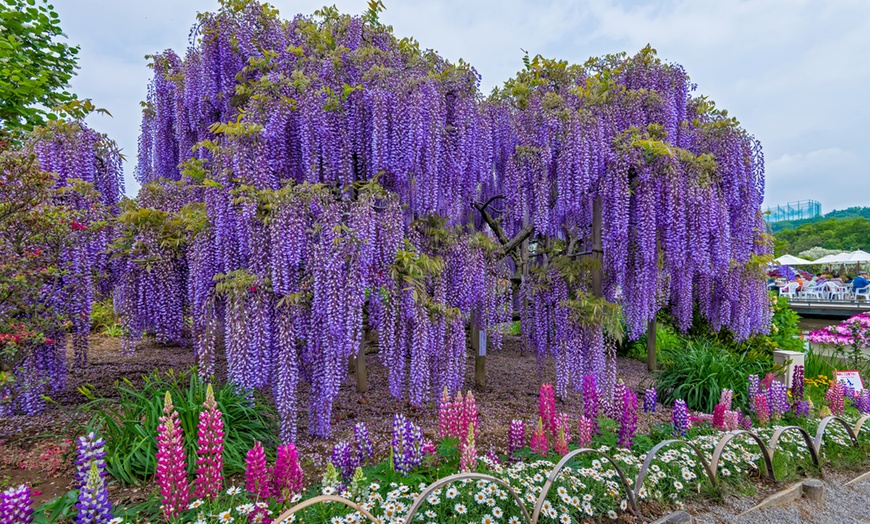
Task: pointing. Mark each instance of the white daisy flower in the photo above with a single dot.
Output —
(234, 490)
(460, 508)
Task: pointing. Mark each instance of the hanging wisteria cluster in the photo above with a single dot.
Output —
(307, 180)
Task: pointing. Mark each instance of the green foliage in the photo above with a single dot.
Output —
(60, 509)
(104, 319)
(35, 67)
(849, 212)
(129, 423)
(698, 372)
(784, 330)
(831, 233)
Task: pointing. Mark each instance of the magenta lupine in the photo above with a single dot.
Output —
(834, 398)
(768, 380)
(650, 398)
(680, 418)
(798, 383)
(762, 411)
(547, 409)
(171, 474)
(560, 444)
(210, 449)
(257, 481)
(584, 432)
(628, 418)
(539, 439)
(16, 505)
(429, 449)
(719, 417)
(725, 398)
(516, 436)
(287, 473)
(468, 459)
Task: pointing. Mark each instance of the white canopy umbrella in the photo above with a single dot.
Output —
(827, 259)
(854, 257)
(791, 260)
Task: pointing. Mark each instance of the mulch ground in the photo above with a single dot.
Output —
(38, 450)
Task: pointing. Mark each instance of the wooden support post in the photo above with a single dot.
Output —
(478, 346)
(597, 248)
(651, 345)
(362, 375)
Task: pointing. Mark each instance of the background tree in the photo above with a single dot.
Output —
(35, 67)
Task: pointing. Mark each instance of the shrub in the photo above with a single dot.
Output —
(129, 423)
(700, 371)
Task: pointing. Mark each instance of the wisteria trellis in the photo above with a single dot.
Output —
(332, 172)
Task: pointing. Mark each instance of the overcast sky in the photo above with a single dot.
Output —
(796, 73)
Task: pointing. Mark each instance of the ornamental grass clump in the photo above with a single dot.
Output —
(210, 449)
(16, 505)
(171, 474)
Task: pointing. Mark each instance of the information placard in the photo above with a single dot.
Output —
(850, 378)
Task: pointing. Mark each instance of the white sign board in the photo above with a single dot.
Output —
(482, 341)
(850, 378)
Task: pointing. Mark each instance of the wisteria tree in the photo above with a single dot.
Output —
(57, 192)
(307, 180)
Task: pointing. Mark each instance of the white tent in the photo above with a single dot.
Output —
(854, 257)
(827, 259)
(791, 260)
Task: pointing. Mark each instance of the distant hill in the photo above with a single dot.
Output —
(850, 212)
(848, 230)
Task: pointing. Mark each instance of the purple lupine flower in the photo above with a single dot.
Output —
(363, 442)
(344, 460)
(650, 397)
(798, 382)
(516, 436)
(16, 505)
(802, 408)
(746, 423)
(753, 389)
(680, 418)
(93, 501)
(777, 399)
(628, 418)
(862, 403)
(407, 445)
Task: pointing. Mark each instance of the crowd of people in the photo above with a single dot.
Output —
(806, 282)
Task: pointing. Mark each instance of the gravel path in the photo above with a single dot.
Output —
(842, 505)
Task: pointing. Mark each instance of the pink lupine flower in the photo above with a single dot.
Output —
(468, 459)
(835, 398)
(171, 473)
(539, 439)
(584, 432)
(547, 409)
(762, 411)
(257, 480)
(210, 441)
(469, 415)
(561, 444)
(725, 398)
(287, 474)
